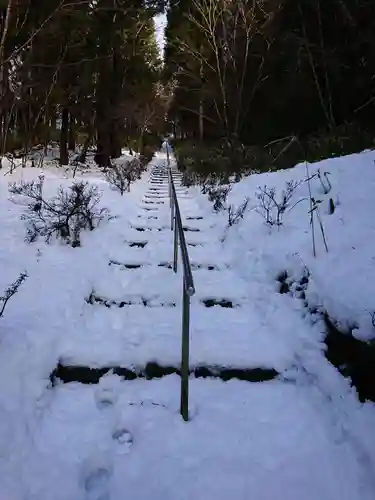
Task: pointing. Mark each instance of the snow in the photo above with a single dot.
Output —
(302, 435)
(235, 444)
(342, 280)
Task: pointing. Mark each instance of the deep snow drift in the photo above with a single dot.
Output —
(302, 435)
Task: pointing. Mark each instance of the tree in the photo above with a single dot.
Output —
(75, 63)
(256, 71)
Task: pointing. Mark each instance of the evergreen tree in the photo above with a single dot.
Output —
(78, 62)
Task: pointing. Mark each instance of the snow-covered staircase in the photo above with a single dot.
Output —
(138, 304)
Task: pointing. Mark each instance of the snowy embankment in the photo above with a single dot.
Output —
(302, 435)
(342, 280)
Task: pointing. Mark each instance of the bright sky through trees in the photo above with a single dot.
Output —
(160, 23)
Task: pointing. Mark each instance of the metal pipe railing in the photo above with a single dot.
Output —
(187, 292)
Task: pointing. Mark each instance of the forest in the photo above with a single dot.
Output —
(79, 72)
(258, 83)
(270, 82)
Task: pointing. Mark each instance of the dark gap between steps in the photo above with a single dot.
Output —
(168, 265)
(154, 217)
(95, 299)
(219, 302)
(201, 266)
(127, 266)
(194, 218)
(139, 244)
(194, 244)
(193, 266)
(142, 229)
(191, 229)
(87, 375)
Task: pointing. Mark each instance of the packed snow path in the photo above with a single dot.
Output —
(298, 436)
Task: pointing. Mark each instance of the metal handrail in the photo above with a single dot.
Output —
(188, 290)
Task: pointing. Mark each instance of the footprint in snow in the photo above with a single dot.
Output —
(96, 485)
(96, 475)
(106, 393)
(124, 438)
(105, 397)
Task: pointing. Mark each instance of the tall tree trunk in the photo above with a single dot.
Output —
(102, 156)
(140, 142)
(116, 121)
(88, 140)
(103, 122)
(53, 121)
(64, 157)
(116, 138)
(82, 156)
(72, 133)
(201, 119)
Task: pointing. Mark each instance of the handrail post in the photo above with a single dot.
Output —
(184, 402)
(175, 246)
(171, 202)
(173, 210)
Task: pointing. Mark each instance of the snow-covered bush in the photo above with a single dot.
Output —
(123, 172)
(189, 178)
(63, 216)
(218, 195)
(30, 189)
(236, 214)
(209, 183)
(271, 207)
(11, 291)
